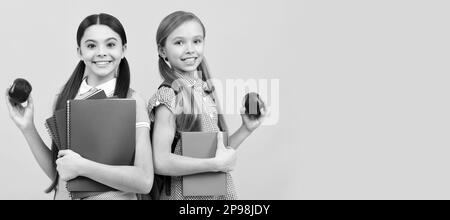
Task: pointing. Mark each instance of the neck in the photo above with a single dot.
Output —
(94, 80)
(193, 74)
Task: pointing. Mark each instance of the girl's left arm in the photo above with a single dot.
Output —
(247, 127)
(137, 178)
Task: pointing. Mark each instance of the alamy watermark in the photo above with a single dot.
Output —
(230, 94)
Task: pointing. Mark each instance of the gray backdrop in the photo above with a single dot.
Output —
(363, 108)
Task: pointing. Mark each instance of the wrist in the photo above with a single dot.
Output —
(214, 164)
(28, 129)
(245, 129)
(83, 167)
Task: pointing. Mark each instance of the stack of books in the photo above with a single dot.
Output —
(98, 128)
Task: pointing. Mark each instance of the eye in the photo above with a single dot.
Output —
(90, 46)
(178, 43)
(111, 45)
(198, 41)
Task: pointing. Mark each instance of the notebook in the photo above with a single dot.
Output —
(57, 123)
(61, 120)
(103, 131)
(202, 145)
(52, 130)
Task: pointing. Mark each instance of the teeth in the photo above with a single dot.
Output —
(189, 61)
(102, 62)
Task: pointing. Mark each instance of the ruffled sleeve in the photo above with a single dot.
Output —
(164, 96)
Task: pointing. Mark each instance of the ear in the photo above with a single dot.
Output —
(162, 51)
(124, 50)
(80, 55)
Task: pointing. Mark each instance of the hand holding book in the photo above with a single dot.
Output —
(69, 164)
(225, 156)
(207, 145)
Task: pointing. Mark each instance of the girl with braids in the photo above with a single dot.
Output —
(101, 44)
(186, 101)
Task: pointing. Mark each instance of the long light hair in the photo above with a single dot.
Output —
(187, 120)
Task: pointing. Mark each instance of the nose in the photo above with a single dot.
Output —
(101, 51)
(189, 48)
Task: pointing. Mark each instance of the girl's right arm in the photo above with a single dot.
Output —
(169, 164)
(23, 118)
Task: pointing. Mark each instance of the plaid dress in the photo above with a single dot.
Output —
(209, 123)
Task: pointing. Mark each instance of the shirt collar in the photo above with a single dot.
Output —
(108, 87)
(193, 81)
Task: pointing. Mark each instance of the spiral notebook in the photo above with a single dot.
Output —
(52, 129)
(202, 145)
(56, 125)
(102, 131)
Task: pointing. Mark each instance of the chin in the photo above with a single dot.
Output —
(189, 69)
(102, 73)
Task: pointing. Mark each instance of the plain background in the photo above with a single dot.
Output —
(364, 110)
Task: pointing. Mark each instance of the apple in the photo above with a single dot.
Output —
(19, 91)
(253, 105)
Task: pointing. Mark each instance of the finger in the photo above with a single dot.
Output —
(62, 153)
(263, 117)
(266, 112)
(242, 110)
(7, 92)
(30, 102)
(7, 96)
(263, 112)
(262, 100)
(219, 136)
(8, 103)
(12, 107)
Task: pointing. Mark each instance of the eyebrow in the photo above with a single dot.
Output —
(108, 39)
(179, 37)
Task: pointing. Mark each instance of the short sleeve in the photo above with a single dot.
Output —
(164, 96)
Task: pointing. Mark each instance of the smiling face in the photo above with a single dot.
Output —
(101, 50)
(184, 47)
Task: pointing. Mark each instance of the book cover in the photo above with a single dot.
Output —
(102, 131)
(50, 125)
(61, 120)
(202, 145)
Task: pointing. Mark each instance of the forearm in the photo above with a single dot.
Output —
(123, 178)
(41, 152)
(170, 164)
(176, 165)
(238, 137)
